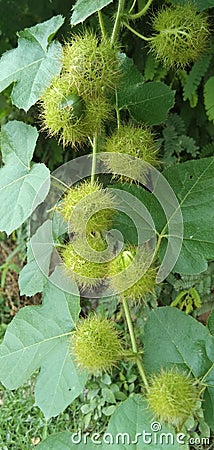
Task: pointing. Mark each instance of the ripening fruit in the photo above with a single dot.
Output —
(88, 198)
(172, 397)
(137, 142)
(92, 65)
(146, 281)
(181, 35)
(80, 264)
(69, 115)
(96, 344)
(75, 104)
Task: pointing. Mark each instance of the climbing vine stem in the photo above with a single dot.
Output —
(101, 22)
(134, 343)
(117, 109)
(94, 157)
(132, 7)
(117, 23)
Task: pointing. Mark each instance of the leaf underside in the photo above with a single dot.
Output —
(23, 186)
(39, 337)
(83, 9)
(33, 64)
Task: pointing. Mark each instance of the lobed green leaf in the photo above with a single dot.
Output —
(172, 338)
(23, 186)
(63, 441)
(146, 102)
(132, 417)
(34, 274)
(193, 185)
(83, 9)
(39, 337)
(209, 400)
(33, 64)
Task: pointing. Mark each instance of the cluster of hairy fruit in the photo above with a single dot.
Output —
(77, 103)
(73, 108)
(89, 211)
(96, 344)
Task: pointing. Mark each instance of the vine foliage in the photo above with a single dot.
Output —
(97, 112)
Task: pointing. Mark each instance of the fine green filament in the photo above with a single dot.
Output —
(142, 12)
(136, 32)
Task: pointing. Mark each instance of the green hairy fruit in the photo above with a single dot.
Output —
(96, 344)
(146, 282)
(79, 263)
(135, 141)
(88, 198)
(181, 35)
(70, 115)
(92, 65)
(172, 397)
(75, 103)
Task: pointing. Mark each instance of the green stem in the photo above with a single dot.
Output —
(45, 431)
(94, 157)
(101, 22)
(134, 343)
(118, 117)
(59, 182)
(207, 373)
(117, 23)
(117, 111)
(142, 373)
(136, 32)
(160, 237)
(129, 354)
(57, 244)
(142, 12)
(132, 7)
